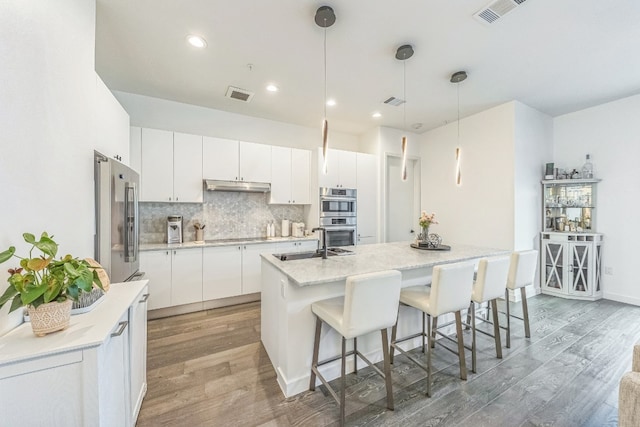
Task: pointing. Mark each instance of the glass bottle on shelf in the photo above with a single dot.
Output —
(587, 168)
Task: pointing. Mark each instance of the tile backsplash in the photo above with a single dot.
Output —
(226, 215)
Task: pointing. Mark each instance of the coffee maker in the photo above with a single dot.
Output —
(174, 229)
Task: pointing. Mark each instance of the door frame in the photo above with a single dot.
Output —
(385, 191)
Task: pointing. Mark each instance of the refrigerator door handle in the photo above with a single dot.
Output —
(136, 224)
(129, 223)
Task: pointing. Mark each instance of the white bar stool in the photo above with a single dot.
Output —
(522, 272)
(450, 292)
(370, 303)
(489, 286)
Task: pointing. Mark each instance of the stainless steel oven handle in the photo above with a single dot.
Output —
(337, 199)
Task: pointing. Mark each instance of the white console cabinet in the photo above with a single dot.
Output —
(90, 374)
(571, 265)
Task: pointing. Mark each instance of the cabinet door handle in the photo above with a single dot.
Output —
(293, 201)
(123, 326)
(176, 199)
(144, 299)
(169, 198)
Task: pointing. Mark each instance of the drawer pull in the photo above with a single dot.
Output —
(123, 326)
(145, 297)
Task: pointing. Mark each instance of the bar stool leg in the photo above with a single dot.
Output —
(429, 350)
(434, 328)
(463, 363)
(496, 327)
(506, 298)
(423, 332)
(387, 369)
(473, 336)
(394, 330)
(343, 381)
(316, 349)
(525, 312)
(466, 326)
(355, 355)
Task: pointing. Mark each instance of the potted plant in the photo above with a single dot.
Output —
(46, 286)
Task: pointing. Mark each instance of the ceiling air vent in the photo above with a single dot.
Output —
(496, 10)
(394, 101)
(239, 94)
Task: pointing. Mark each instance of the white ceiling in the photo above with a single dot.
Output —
(557, 56)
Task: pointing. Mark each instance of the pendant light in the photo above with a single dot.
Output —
(403, 53)
(457, 78)
(325, 17)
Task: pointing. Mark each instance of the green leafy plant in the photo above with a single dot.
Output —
(42, 279)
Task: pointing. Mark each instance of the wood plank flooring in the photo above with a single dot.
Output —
(210, 369)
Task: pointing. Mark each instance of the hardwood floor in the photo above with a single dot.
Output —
(210, 369)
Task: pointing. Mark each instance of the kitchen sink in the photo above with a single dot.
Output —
(313, 254)
(301, 255)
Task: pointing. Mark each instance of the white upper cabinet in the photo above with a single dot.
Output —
(230, 160)
(135, 148)
(187, 168)
(255, 162)
(156, 174)
(290, 176)
(300, 176)
(341, 169)
(367, 208)
(220, 159)
(170, 167)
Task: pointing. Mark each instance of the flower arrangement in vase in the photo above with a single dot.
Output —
(46, 286)
(425, 221)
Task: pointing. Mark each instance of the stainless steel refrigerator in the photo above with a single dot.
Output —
(117, 237)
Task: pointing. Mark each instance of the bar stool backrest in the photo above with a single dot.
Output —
(451, 288)
(491, 279)
(522, 271)
(371, 302)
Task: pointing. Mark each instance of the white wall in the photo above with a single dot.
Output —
(48, 93)
(111, 124)
(533, 148)
(175, 116)
(611, 134)
(481, 210)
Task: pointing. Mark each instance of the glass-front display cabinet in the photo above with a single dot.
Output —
(570, 246)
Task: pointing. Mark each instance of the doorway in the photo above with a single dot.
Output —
(402, 205)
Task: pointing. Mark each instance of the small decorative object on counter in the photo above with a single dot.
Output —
(425, 221)
(285, 228)
(199, 232)
(587, 168)
(46, 286)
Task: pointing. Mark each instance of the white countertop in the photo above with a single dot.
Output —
(373, 258)
(222, 242)
(85, 330)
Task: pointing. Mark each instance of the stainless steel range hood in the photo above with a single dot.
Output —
(248, 187)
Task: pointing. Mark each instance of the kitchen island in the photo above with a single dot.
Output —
(290, 287)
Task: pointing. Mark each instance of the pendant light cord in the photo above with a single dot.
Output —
(404, 93)
(325, 69)
(458, 90)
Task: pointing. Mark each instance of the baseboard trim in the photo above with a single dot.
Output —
(621, 298)
(199, 306)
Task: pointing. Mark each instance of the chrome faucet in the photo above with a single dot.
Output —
(324, 241)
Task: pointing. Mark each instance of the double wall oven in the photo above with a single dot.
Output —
(338, 215)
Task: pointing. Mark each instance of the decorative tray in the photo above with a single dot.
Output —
(428, 248)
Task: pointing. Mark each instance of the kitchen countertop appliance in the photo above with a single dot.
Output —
(174, 229)
(338, 215)
(117, 232)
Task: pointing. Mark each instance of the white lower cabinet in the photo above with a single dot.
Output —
(251, 266)
(186, 276)
(114, 361)
(230, 271)
(91, 374)
(221, 272)
(571, 265)
(175, 276)
(138, 353)
(300, 246)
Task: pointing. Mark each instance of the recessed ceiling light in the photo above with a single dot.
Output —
(196, 41)
(376, 115)
(331, 102)
(272, 88)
